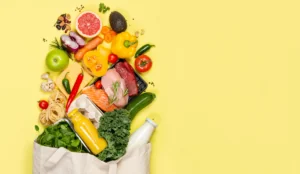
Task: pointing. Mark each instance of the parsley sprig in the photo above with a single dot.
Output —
(103, 8)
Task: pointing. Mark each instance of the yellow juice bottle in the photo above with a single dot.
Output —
(87, 132)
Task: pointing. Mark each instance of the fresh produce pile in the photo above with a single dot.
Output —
(97, 93)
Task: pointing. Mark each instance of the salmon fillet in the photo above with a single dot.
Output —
(99, 97)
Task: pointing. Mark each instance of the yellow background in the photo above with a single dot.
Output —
(226, 75)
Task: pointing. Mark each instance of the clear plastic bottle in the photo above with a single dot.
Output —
(87, 132)
(142, 135)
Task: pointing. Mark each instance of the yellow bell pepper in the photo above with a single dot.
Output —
(124, 45)
(96, 61)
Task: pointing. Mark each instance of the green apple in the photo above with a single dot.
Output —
(57, 60)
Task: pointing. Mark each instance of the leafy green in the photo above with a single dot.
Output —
(36, 127)
(57, 44)
(103, 8)
(115, 129)
(60, 135)
(75, 143)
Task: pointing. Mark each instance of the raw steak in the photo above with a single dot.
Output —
(126, 72)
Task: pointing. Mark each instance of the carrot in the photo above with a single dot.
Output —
(105, 29)
(113, 33)
(92, 44)
(108, 37)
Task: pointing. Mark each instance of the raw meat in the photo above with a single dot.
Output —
(108, 80)
(99, 97)
(127, 73)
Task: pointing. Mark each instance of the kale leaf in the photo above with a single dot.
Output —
(115, 129)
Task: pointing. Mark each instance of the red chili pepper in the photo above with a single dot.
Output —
(74, 90)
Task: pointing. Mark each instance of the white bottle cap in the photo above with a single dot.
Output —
(151, 122)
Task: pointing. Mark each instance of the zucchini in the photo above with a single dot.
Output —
(138, 103)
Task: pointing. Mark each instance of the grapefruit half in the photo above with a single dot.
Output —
(88, 24)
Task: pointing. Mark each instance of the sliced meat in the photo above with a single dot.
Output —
(129, 67)
(127, 73)
(115, 88)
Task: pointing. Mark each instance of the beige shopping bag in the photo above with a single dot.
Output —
(48, 160)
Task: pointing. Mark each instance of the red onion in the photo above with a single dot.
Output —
(71, 45)
(79, 40)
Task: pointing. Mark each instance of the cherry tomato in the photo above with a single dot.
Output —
(43, 104)
(143, 63)
(112, 58)
(98, 84)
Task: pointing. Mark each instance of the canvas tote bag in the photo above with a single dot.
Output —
(47, 160)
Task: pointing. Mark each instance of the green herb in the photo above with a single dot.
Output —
(152, 83)
(60, 135)
(103, 8)
(115, 129)
(125, 92)
(56, 44)
(115, 87)
(36, 127)
(75, 143)
(106, 9)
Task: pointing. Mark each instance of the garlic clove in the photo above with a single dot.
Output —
(50, 81)
(45, 76)
(51, 85)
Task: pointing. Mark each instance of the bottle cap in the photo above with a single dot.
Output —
(151, 122)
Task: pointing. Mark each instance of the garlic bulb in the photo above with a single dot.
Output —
(48, 86)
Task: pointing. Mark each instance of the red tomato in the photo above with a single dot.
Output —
(143, 63)
(98, 84)
(112, 58)
(43, 104)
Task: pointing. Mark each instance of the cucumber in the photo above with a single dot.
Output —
(138, 103)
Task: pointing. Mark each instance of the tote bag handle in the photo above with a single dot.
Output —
(55, 158)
